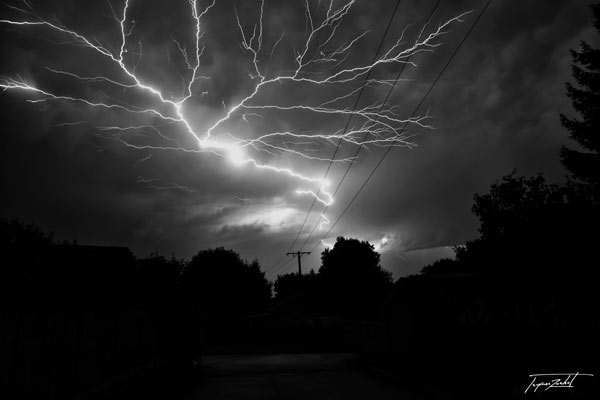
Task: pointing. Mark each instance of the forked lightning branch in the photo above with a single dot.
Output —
(320, 61)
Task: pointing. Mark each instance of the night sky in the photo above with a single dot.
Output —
(494, 109)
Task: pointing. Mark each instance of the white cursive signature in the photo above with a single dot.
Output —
(556, 380)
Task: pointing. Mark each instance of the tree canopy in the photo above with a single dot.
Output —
(530, 230)
(354, 284)
(585, 131)
(512, 204)
(224, 284)
(288, 285)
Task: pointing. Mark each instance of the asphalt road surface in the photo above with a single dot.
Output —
(292, 376)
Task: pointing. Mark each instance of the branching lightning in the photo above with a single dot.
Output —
(319, 62)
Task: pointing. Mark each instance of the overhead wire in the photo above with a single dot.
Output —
(433, 10)
(389, 148)
(366, 80)
(283, 266)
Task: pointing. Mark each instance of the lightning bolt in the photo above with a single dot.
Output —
(324, 221)
(318, 63)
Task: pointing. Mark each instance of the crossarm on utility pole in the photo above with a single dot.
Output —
(299, 254)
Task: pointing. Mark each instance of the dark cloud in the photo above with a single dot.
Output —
(495, 109)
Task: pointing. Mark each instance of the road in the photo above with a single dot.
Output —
(290, 377)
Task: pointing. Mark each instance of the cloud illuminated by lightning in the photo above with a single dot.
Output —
(324, 221)
(319, 63)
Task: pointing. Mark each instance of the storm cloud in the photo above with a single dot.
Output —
(495, 109)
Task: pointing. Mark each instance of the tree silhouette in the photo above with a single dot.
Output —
(585, 166)
(18, 239)
(292, 284)
(24, 251)
(512, 204)
(530, 231)
(354, 284)
(443, 266)
(225, 286)
(531, 271)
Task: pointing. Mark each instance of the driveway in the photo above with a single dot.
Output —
(291, 376)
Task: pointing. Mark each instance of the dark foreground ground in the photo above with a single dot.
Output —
(347, 376)
(292, 376)
(311, 376)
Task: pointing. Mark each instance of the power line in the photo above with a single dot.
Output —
(340, 141)
(367, 133)
(404, 127)
(435, 81)
(299, 254)
(275, 263)
(278, 269)
(366, 80)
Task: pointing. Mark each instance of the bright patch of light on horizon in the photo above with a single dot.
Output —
(386, 243)
(327, 245)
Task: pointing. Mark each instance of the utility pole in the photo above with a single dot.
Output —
(299, 254)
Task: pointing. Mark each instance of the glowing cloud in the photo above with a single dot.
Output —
(319, 63)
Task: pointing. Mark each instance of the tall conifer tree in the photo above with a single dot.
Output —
(585, 130)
